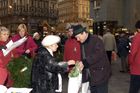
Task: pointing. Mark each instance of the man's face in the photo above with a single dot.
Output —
(81, 37)
(70, 32)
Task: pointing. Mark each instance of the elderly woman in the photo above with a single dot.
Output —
(45, 68)
(4, 60)
(27, 48)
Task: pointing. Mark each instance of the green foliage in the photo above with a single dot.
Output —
(20, 69)
(75, 71)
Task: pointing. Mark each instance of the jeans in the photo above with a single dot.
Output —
(134, 84)
(102, 88)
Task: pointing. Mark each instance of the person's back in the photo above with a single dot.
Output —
(123, 46)
(109, 44)
(123, 49)
(109, 41)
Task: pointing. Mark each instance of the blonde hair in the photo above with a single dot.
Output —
(4, 29)
(22, 26)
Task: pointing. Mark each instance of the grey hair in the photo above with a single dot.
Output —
(2, 28)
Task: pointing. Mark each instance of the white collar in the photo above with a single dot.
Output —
(50, 51)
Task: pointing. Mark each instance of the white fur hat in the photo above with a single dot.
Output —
(50, 39)
(3, 89)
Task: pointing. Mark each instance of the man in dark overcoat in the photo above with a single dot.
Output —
(96, 64)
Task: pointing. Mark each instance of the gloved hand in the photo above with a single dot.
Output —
(2, 47)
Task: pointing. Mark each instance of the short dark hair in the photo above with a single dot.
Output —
(137, 25)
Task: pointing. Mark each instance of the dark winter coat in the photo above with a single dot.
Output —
(44, 72)
(123, 46)
(96, 60)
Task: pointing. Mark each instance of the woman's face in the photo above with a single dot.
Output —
(37, 37)
(22, 32)
(45, 29)
(4, 35)
(53, 47)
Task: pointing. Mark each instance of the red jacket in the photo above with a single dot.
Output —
(72, 50)
(4, 60)
(134, 56)
(29, 44)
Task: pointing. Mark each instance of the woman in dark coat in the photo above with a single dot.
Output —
(45, 69)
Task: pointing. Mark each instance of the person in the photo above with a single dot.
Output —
(45, 68)
(123, 50)
(27, 48)
(134, 61)
(72, 50)
(37, 39)
(5, 78)
(109, 43)
(96, 65)
(45, 29)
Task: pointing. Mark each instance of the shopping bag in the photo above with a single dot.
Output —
(114, 56)
(19, 90)
(74, 84)
(4, 89)
(85, 88)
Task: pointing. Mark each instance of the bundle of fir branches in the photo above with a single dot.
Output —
(20, 69)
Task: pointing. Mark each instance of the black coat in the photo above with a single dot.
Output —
(96, 60)
(123, 46)
(44, 72)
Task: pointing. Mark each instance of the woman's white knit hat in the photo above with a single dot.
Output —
(50, 39)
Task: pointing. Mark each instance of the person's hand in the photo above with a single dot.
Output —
(27, 51)
(81, 66)
(71, 62)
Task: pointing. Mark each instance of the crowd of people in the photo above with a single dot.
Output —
(92, 53)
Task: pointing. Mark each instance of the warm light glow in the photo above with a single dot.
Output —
(124, 29)
(23, 18)
(90, 30)
(10, 6)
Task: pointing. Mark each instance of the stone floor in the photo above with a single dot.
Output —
(119, 82)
